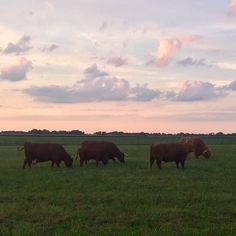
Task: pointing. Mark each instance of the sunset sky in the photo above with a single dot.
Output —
(127, 65)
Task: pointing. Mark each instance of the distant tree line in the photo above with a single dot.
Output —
(103, 133)
(43, 132)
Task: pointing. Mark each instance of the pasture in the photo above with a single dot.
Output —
(118, 199)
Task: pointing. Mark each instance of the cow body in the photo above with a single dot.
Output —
(99, 151)
(168, 152)
(87, 154)
(197, 146)
(41, 152)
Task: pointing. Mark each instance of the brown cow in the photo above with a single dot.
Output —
(87, 154)
(197, 146)
(41, 152)
(168, 152)
(100, 150)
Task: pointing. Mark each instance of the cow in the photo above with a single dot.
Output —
(41, 152)
(197, 146)
(87, 154)
(168, 152)
(100, 150)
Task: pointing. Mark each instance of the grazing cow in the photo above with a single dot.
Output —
(197, 146)
(168, 152)
(41, 152)
(87, 154)
(99, 150)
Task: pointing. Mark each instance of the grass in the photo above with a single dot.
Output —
(119, 199)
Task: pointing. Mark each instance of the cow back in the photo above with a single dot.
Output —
(106, 148)
(168, 152)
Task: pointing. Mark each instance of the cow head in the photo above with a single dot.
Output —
(121, 157)
(206, 153)
(69, 162)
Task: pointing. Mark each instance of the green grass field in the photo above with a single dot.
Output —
(118, 199)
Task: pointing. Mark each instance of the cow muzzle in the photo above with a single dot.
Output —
(206, 153)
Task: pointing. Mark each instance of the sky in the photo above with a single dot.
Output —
(127, 65)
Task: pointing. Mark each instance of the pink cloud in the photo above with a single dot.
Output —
(188, 39)
(232, 7)
(17, 71)
(117, 61)
(167, 48)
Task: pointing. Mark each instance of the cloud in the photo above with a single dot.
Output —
(51, 48)
(21, 46)
(146, 29)
(108, 88)
(232, 85)
(151, 28)
(189, 61)
(93, 72)
(143, 93)
(103, 26)
(167, 47)
(16, 72)
(196, 91)
(102, 87)
(117, 61)
(226, 65)
(188, 39)
(105, 88)
(232, 7)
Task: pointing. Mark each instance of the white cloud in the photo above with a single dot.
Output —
(226, 65)
(189, 61)
(143, 93)
(232, 85)
(97, 86)
(197, 91)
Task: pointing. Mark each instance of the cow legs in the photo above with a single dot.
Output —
(104, 162)
(81, 162)
(29, 163)
(52, 164)
(24, 163)
(182, 164)
(159, 164)
(151, 163)
(177, 164)
(58, 164)
(114, 160)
